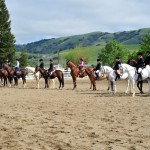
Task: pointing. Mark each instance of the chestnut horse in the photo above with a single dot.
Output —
(4, 76)
(56, 73)
(75, 72)
(12, 74)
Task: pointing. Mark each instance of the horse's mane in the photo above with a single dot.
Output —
(69, 61)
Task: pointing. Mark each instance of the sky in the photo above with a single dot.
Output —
(34, 20)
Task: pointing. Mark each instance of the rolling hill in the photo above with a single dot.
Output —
(85, 40)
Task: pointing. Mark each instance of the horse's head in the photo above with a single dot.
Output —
(7, 67)
(70, 64)
(37, 68)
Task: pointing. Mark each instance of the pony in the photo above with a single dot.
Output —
(56, 73)
(133, 75)
(12, 74)
(111, 76)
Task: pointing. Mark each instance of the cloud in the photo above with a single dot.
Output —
(39, 19)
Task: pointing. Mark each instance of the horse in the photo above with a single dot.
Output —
(133, 75)
(56, 73)
(88, 71)
(38, 76)
(111, 76)
(60, 75)
(4, 76)
(74, 72)
(132, 62)
(12, 74)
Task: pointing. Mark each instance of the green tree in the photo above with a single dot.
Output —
(145, 43)
(111, 50)
(23, 58)
(7, 39)
(75, 55)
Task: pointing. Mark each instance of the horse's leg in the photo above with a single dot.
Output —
(93, 83)
(24, 81)
(53, 80)
(60, 81)
(133, 88)
(46, 82)
(128, 84)
(74, 82)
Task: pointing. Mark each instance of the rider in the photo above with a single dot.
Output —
(51, 67)
(140, 64)
(147, 59)
(9, 63)
(41, 64)
(81, 63)
(17, 65)
(116, 68)
(132, 62)
(97, 69)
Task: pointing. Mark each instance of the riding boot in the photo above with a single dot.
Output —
(97, 76)
(139, 77)
(117, 77)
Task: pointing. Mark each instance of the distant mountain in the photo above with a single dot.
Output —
(94, 38)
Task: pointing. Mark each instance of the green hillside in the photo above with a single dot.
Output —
(53, 45)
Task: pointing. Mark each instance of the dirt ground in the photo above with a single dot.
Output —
(66, 119)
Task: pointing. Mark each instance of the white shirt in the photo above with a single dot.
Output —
(17, 64)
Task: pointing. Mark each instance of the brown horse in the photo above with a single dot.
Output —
(57, 73)
(90, 72)
(4, 76)
(60, 75)
(75, 72)
(12, 74)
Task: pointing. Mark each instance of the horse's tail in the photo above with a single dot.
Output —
(62, 79)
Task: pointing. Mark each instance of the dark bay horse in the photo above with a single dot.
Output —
(56, 73)
(12, 74)
(75, 72)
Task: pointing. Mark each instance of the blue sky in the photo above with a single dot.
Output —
(33, 20)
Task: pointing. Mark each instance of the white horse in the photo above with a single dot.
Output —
(38, 76)
(132, 75)
(111, 78)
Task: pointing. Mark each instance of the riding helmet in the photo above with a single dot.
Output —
(41, 60)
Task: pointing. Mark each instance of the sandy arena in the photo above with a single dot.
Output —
(66, 119)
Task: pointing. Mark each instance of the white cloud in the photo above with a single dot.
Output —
(39, 19)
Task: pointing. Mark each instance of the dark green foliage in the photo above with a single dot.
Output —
(23, 58)
(145, 44)
(7, 39)
(111, 51)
